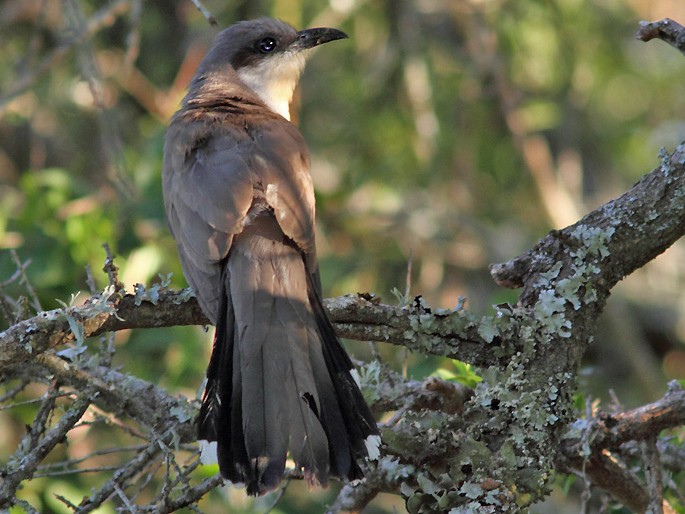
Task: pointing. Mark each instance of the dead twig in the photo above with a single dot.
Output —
(667, 30)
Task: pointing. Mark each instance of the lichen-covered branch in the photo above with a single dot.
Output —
(629, 232)
(497, 447)
(107, 312)
(517, 417)
(453, 334)
(640, 424)
(595, 448)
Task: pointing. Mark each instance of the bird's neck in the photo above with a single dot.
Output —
(274, 81)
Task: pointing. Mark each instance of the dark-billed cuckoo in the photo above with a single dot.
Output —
(240, 203)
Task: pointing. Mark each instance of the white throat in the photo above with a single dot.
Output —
(274, 80)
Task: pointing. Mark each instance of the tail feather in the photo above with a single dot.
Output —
(308, 441)
(210, 417)
(278, 380)
(341, 457)
(358, 419)
(266, 449)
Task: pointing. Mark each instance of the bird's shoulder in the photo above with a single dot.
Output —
(235, 118)
(228, 156)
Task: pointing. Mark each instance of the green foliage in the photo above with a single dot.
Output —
(461, 372)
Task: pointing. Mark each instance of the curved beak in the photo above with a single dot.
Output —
(309, 38)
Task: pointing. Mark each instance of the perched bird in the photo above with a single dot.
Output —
(240, 203)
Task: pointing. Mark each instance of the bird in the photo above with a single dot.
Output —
(239, 200)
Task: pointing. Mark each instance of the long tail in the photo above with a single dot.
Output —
(279, 380)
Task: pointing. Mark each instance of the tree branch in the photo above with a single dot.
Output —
(588, 453)
(31, 455)
(614, 232)
(354, 316)
(610, 431)
(667, 30)
(654, 206)
(528, 354)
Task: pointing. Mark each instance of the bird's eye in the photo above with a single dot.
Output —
(266, 45)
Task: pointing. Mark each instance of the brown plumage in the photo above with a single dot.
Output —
(240, 203)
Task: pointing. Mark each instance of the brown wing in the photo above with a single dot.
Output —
(281, 161)
(211, 174)
(207, 192)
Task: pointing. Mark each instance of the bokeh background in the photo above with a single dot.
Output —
(445, 135)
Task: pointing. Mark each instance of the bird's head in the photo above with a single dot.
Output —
(268, 55)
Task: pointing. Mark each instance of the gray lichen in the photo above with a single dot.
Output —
(502, 459)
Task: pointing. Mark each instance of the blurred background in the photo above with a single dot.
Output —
(445, 135)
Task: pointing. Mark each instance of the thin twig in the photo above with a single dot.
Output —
(33, 401)
(667, 30)
(652, 467)
(90, 280)
(97, 453)
(133, 37)
(75, 471)
(40, 422)
(65, 501)
(7, 307)
(111, 269)
(125, 474)
(131, 508)
(205, 12)
(106, 340)
(142, 484)
(21, 268)
(26, 464)
(190, 496)
(13, 392)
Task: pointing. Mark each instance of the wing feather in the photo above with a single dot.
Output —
(281, 160)
(208, 190)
